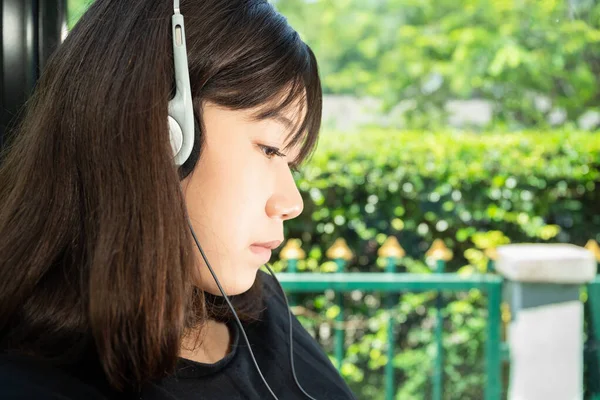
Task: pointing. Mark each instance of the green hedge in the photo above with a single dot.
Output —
(419, 186)
(473, 191)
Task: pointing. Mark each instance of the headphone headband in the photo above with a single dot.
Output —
(181, 110)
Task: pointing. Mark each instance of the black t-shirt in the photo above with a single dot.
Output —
(233, 377)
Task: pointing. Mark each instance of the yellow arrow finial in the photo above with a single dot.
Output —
(339, 250)
(491, 253)
(391, 249)
(439, 251)
(292, 250)
(592, 246)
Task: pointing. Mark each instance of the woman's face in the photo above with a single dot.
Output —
(239, 195)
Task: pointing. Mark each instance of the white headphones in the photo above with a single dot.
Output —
(181, 110)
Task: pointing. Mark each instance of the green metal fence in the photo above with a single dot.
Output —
(390, 283)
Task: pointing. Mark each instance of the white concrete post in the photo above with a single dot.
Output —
(545, 335)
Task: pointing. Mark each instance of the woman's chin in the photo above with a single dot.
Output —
(241, 283)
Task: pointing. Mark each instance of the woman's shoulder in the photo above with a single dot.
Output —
(27, 377)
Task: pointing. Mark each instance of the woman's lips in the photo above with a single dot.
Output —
(264, 250)
(263, 253)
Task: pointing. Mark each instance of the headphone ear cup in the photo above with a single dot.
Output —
(175, 136)
(192, 160)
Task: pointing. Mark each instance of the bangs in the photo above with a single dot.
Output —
(272, 75)
(302, 96)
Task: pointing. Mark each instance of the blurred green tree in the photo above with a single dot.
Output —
(511, 52)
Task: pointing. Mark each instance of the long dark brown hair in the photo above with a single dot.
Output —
(94, 244)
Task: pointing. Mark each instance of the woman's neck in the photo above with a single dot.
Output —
(214, 343)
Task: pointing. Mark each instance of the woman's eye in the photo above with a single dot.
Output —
(271, 152)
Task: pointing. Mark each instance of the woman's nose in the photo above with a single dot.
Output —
(286, 202)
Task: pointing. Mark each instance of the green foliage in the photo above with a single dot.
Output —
(429, 51)
(420, 186)
(75, 9)
(474, 191)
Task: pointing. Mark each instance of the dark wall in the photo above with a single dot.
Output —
(31, 30)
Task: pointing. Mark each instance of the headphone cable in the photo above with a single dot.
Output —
(240, 323)
(232, 309)
(291, 333)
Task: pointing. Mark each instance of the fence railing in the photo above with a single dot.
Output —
(391, 283)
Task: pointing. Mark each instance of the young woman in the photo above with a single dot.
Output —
(130, 271)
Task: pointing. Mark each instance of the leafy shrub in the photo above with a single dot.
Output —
(473, 191)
